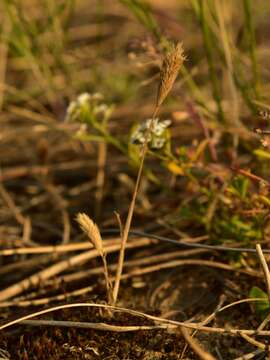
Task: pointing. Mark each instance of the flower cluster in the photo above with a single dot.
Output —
(86, 102)
(89, 110)
(154, 130)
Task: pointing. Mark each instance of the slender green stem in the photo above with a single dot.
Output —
(210, 59)
(143, 12)
(251, 44)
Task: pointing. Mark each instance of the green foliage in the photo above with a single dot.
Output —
(88, 110)
(27, 35)
(206, 13)
(239, 187)
(229, 226)
(262, 308)
(250, 36)
(143, 12)
(209, 45)
(225, 221)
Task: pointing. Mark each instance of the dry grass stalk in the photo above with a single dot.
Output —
(169, 71)
(92, 231)
(205, 322)
(79, 275)
(11, 205)
(168, 322)
(195, 346)
(47, 300)
(55, 269)
(95, 326)
(265, 268)
(254, 342)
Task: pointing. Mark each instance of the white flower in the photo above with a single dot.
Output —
(88, 102)
(83, 98)
(102, 108)
(155, 137)
(74, 108)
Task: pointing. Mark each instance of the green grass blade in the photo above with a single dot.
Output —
(250, 34)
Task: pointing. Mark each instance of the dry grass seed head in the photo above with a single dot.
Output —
(91, 230)
(171, 65)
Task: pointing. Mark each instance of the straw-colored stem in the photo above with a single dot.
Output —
(130, 213)
(264, 268)
(195, 345)
(171, 65)
(107, 280)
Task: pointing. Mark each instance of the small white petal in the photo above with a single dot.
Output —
(83, 98)
(102, 108)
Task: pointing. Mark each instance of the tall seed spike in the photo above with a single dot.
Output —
(171, 65)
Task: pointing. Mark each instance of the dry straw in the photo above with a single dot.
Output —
(265, 268)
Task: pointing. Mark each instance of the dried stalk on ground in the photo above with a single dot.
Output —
(57, 268)
(195, 346)
(169, 323)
